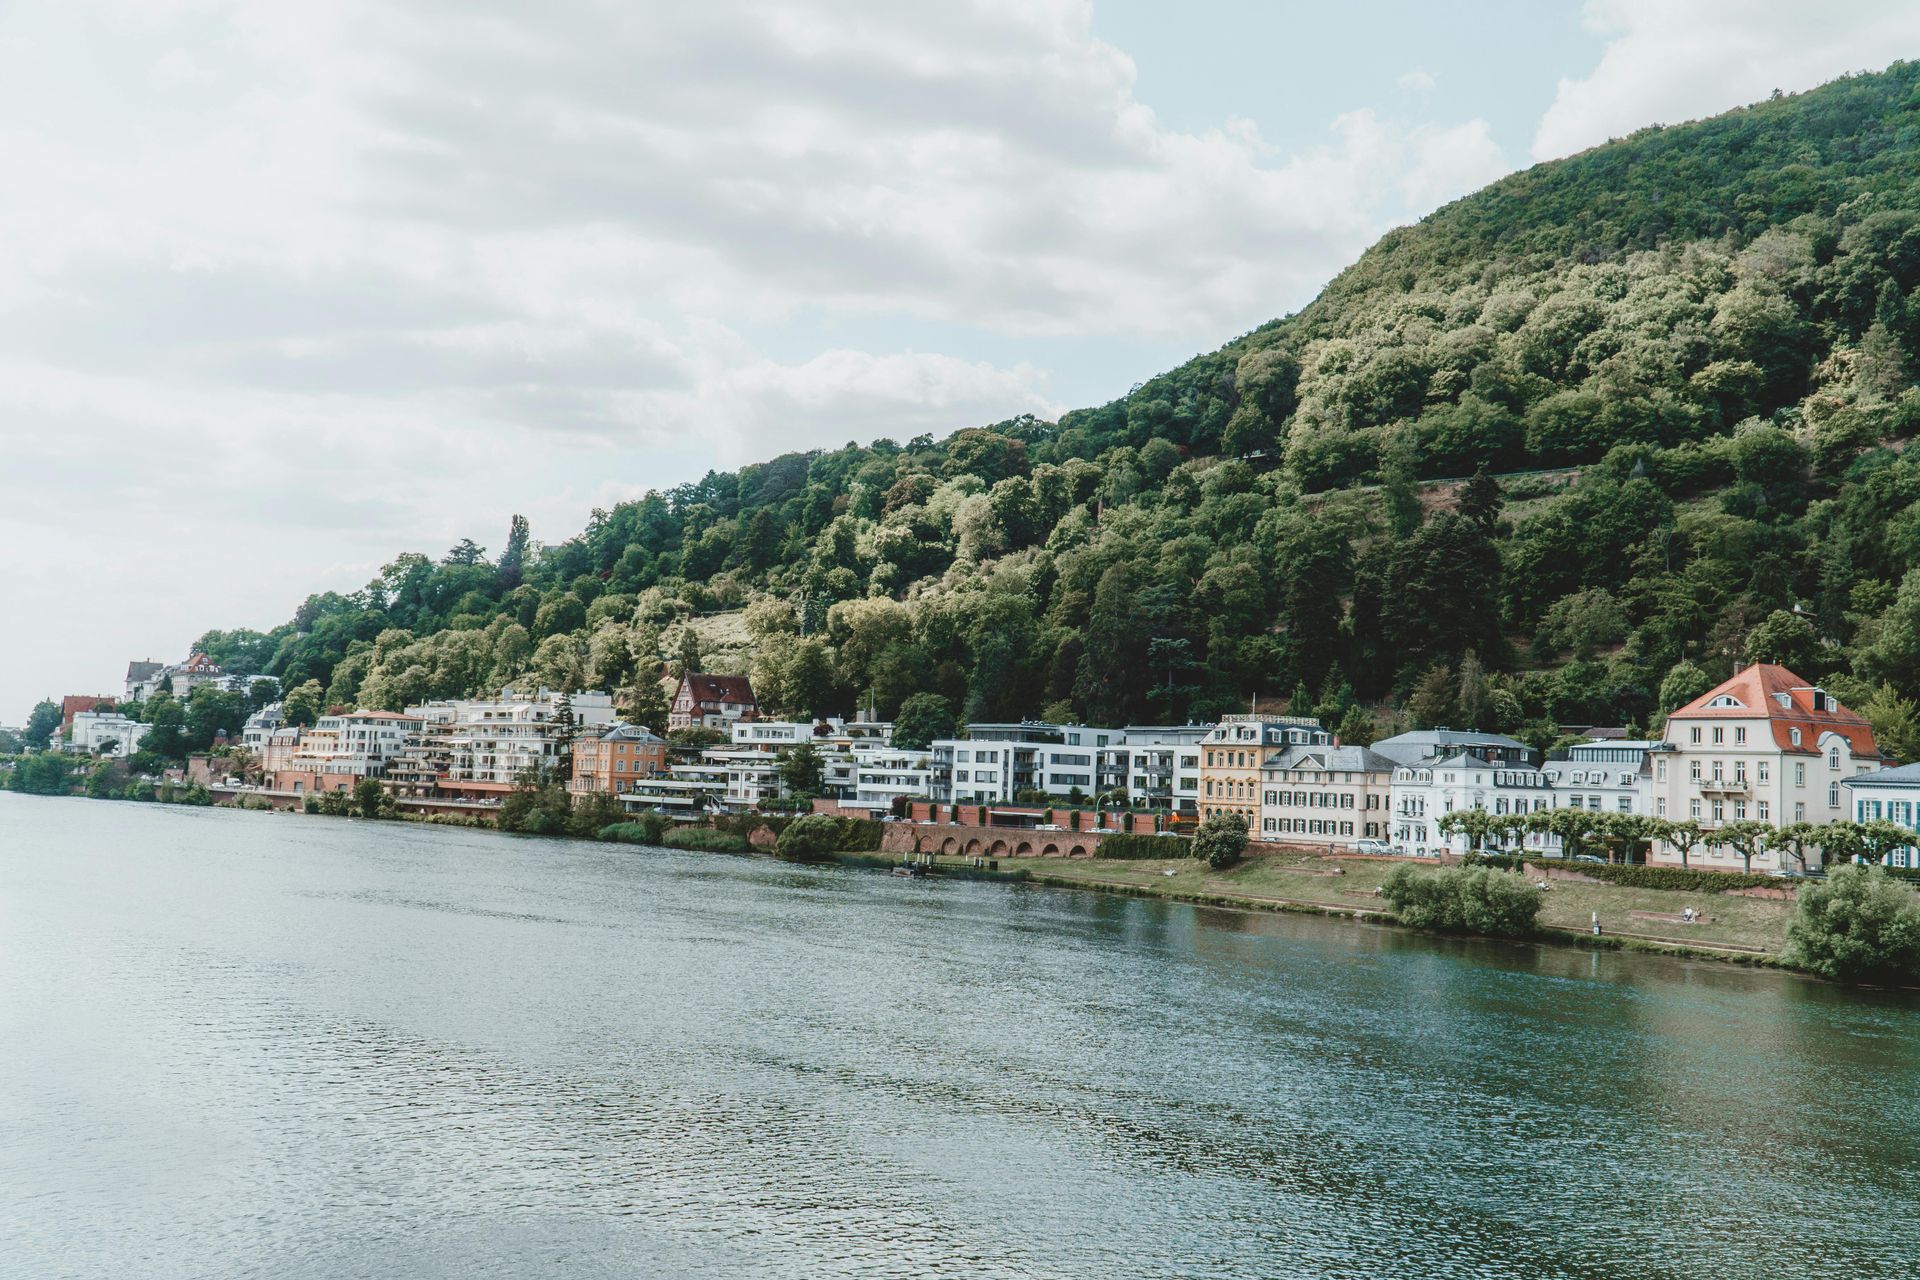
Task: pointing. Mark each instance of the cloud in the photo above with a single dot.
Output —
(1418, 81)
(1668, 61)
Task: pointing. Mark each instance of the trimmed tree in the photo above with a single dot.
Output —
(1221, 840)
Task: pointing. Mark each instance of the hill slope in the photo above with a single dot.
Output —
(1713, 324)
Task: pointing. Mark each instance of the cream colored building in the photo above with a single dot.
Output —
(1234, 752)
(1325, 795)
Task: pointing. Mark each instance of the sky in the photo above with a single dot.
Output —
(288, 289)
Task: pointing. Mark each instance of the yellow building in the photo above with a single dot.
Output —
(1233, 752)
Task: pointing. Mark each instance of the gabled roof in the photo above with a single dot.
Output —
(1769, 690)
(142, 671)
(198, 663)
(1906, 775)
(1425, 744)
(1330, 759)
(711, 688)
(631, 733)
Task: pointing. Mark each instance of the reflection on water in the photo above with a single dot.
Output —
(250, 1044)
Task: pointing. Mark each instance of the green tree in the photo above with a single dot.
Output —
(809, 836)
(646, 704)
(1685, 837)
(922, 718)
(1747, 837)
(804, 771)
(1896, 723)
(1463, 900)
(1357, 728)
(1786, 639)
(1682, 684)
(1399, 488)
(1857, 925)
(1221, 839)
(303, 704)
(370, 798)
(41, 722)
(513, 561)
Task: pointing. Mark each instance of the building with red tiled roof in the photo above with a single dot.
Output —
(711, 701)
(74, 703)
(1764, 745)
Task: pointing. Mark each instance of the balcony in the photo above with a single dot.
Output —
(1726, 787)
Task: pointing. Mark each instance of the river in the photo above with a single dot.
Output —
(244, 1044)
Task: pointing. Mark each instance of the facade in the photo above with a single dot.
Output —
(1762, 746)
(613, 760)
(996, 763)
(1157, 765)
(143, 679)
(74, 703)
(197, 670)
(1325, 795)
(711, 701)
(259, 727)
(1426, 745)
(491, 743)
(683, 791)
(883, 774)
(1233, 752)
(341, 750)
(1423, 793)
(1608, 777)
(1889, 795)
(106, 733)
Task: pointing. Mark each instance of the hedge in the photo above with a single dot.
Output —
(706, 840)
(645, 828)
(1132, 846)
(1638, 877)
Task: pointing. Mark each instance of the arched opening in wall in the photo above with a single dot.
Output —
(1078, 851)
(949, 846)
(1023, 850)
(998, 849)
(973, 847)
(1050, 851)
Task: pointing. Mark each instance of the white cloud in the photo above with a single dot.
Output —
(1668, 61)
(1418, 81)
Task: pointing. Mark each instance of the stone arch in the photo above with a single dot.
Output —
(1078, 851)
(998, 849)
(973, 847)
(1050, 850)
(949, 845)
(1024, 849)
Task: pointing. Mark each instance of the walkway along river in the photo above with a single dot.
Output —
(238, 1044)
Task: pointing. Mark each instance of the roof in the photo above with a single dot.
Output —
(1906, 775)
(139, 671)
(198, 663)
(1331, 759)
(711, 688)
(1769, 690)
(630, 733)
(376, 715)
(1425, 744)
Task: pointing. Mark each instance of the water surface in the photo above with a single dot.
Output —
(237, 1044)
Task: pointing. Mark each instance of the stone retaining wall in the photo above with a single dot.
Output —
(953, 839)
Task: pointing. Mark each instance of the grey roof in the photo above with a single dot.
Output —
(1906, 775)
(144, 670)
(1425, 744)
(1334, 759)
(633, 733)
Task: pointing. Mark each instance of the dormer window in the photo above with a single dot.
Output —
(1796, 737)
(1726, 700)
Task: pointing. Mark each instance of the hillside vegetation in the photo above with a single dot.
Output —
(1706, 331)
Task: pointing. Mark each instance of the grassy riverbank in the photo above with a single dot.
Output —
(1734, 925)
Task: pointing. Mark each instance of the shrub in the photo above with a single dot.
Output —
(645, 828)
(1133, 846)
(1221, 840)
(1636, 877)
(593, 813)
(809, 837)
(1463, 900)
(706, 840)
(1857, 925)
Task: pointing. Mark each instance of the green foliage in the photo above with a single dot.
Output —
(1131, 846)
(643, 828)
(41, 723)
(1675, 878)
(1858, 925)
(1463, 900)
(1221, 839)
(809, 837)
(45, 773)
(803, 770)
(705, 840)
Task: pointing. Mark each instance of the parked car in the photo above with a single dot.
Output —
(1588, 857)
(1374, 846)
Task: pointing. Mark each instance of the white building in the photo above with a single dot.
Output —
(491, 743)
(1158, 765)
(684, 791)
(1337, 796)
(1608, 777)
(107, 733)
(996, 763)
(341, 749)
(882, 774)
(1762, 746)
(1889, 795)
(260, 727)
(1423, 745)
(1424, 793)
(143, 679)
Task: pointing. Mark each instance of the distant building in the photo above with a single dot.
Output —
(1233, 752)
(711, 701)
(491, 743)
(997, 763)
(1889, 795)
(1157, 765)
(1608, 776)
(197, 670)
(260, 726)
(74, 703)
(143, 679)
(339, 751)
(1425, 792)
(613, 759)
(106, 733)
(1325, 795)
(1426, 745)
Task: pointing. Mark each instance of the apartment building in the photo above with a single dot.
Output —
(1158, 766)
(996, 763)
(1424, 793)
(1889, 795)
(1608, 777)
(341, 750)
(1423, 746)
(883, 773)
(106, 733)
(1233, 752)
(1325, 795)
(614, 758)
(1763, 746)
(492, 743)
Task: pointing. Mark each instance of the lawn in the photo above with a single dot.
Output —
(1348, 884)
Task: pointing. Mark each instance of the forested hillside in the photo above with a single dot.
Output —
(1683, 362)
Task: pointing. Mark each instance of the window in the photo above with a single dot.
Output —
(1739, 811)
(1694, 735)
(1693, 770)
(1795, 734)
(1693, 807)
(1660, 770)
(1760, 811)
(1660, 807)
(1833, 757)
(1799, 772)
(1719, 735)
(1739, 734)
(1719, 768)
(1833, 795)
(1719, 810)
(1799, 811)
(1762, 770)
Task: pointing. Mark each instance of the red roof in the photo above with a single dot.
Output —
(710, 688)
(1787, 702)
(74, 703)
